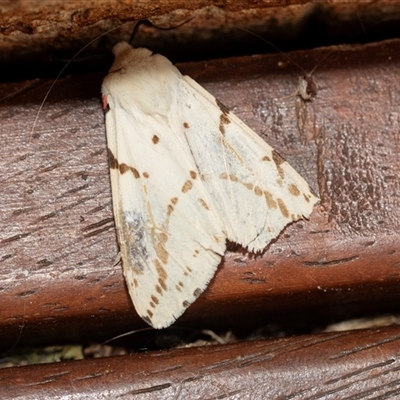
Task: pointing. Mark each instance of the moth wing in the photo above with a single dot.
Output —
(254, 190)
(171, 240)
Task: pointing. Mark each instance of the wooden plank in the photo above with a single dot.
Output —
(32, 32)
(343, 365)
(58, 246)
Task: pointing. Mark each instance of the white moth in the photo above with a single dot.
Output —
(186, 175)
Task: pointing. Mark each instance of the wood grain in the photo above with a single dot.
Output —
(58, 278)
(57, 240)
(344, 365)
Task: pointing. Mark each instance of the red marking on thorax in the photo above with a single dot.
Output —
(104, 102)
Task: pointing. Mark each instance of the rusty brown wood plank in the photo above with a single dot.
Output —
(30, 31)
(28, 25)
(344, 365)
(57, 235)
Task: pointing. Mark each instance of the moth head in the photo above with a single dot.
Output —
(127, 57)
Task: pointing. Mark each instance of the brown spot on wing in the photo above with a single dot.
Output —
(162, 284)
(197, 292)
(174, 200)
(204, 204)
(258, 191)
(271, 203)
(294, 190)
(186, 125)
(278, 160)
(162, 274)
(159, 289)
(155, 299)
(114, 164)
(162, 254)
(188, 271)
(155, 139)
(162, 237)
(233, 178)
(149, 313)
(112, 160)
(223, 120)
(125, 168)
(283, 208)
(193, 174)
(265, 158)
(134, 172)
(186, 304)
(187, 186)
(146, 175)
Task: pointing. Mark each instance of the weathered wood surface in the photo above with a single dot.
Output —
(58, 282)
(31, 30)
(57, 237)
(344, 365)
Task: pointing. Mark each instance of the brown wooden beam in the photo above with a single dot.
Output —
(57, 241)
(341, 365)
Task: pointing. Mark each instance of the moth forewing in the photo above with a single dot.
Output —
(186, 176)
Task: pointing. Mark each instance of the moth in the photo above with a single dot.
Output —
(307, 88)
(186, 176)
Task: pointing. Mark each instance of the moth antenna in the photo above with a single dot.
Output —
(151, 25)
(362, 30)
(307, 88)
(128, 333)
(64, 68)
(320, 62)
(275, 47)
